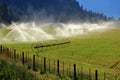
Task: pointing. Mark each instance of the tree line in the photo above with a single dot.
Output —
(58, 10)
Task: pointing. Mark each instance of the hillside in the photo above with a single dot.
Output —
(49, 10)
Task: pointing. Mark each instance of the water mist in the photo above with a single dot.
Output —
(32, 32)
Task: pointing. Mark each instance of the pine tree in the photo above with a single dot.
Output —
(4, 15)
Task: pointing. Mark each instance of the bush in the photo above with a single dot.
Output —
(11, 72)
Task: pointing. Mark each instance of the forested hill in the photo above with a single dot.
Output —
(53, 10)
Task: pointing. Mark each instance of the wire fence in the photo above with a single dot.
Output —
(45, 65)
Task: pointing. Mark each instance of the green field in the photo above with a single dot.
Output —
(95, 50)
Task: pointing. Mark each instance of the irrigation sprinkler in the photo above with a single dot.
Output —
(46, 45)
(50, 45)
(42, 46)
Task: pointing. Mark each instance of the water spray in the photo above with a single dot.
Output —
(30, 32)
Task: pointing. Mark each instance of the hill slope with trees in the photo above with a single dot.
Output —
(51, 10)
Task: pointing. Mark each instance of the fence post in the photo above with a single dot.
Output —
(104, 76)
(15, 54)
(34, 62)
(1, 49)
(18, 55)
(69, 68)
(96, 74)
(75, 72)
(90, 74)
(63, 68)
(81, 73)
(10, 53)
(44, 65)
(23, 58)
(7, 51)
(54, 66)
(41, 64)
(49, 65)
(58, 66)
(4, 50)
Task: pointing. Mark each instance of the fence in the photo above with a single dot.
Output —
(46, 65)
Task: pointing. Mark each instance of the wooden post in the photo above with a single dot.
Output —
(41, 64)
(90, 74)
(7, 51)
(104, 76)
(58, 66)
(23, 58)
(1, 49)
(15, 54)
(54, 65)
(96, 74)
(63, 68)
(34, 62)
(10, 52)
(69, 68)
(81, 73)
(49, 65)
(75, 72)
(44, 65)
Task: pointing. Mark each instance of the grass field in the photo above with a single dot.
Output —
(95, 50)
